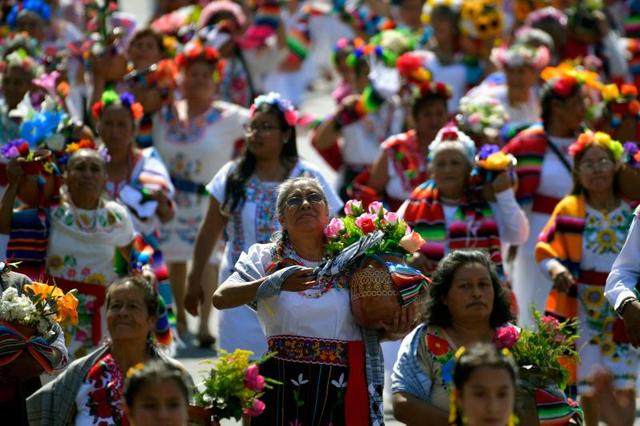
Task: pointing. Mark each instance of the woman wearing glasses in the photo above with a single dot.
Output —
(576, 249)
(242, 202)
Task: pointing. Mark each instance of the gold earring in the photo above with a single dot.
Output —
(513, 420)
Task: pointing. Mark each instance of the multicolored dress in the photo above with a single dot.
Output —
(587, 241)
(319, 351)
(194, 149)
(406, 166)
(254, 222)
(81, 254)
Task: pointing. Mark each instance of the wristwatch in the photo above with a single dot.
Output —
(623, 304)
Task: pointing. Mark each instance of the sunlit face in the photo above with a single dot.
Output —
(444, 29)
(144, 52)
(305, 211)
(159, 403)
(117, 130)
(15, 84)
(198, 81)
(471, 295)
(127, 314)
(265, 136)
(86, 174)
(487, 398)
(450, 171)
(521, 78)
(596, 170)
(430, 118)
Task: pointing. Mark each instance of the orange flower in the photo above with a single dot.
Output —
(629, 90)
(634, 107)
(67, 308)
(137, 111)
(44, 290)
(63, 89)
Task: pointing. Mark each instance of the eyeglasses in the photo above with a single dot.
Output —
(263, 128)
(603, 164)
(313, 198)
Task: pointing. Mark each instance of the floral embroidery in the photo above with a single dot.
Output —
(105, 397)
(55, 263)
(309, 350)
(606, 233)
(437, 345)
(189, 131)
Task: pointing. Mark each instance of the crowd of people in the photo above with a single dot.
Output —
(154, 168)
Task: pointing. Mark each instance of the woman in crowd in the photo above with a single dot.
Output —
(242, 202)
(90, 390)
(195, 138)
(544, 177)
(450, 214)
(577, 249)
(484, 383)
(85, 232)
(157, 394)
(467, 304)
(298, 311)
(402, 162)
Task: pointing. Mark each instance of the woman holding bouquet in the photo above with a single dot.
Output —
(450, 214)
(576, 250)
(308, 321)
(90, 391)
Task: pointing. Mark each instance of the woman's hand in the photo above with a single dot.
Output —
(194, 296)
(403, 322)
(300, 280)
(165, 210)
(561, 277)
(631, 317)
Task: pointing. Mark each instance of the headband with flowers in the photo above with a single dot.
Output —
(590, 138)
(197, 52)
(111, 97)
(20, 58)
(621, 102)
(430, 5)
(40, 7)
(481, 115)
(572, 69)
(74, 147)
(433, 88)
(519, 55)
(275, 99)
(450, 137)
(481, 19)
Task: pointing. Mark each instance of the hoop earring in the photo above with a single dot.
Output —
(513, 420)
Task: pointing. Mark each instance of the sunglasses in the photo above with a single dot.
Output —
(313, 198)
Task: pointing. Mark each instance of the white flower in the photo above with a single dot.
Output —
(301, 381)
(340, 383)
(10, 294)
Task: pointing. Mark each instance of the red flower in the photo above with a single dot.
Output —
(437, 345)
(506, 337)
(564, 85)
(23, 149)
(96, 109)
(365, 222)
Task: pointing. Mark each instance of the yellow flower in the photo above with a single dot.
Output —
(132, 370)
(593, 297)
(610, 92)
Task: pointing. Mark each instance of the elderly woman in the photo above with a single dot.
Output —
(577, 249)
(308, 322)
(84, 233)
(90, 391)
(195, 138)
(451, 215)
(243, 204)
(467, 304)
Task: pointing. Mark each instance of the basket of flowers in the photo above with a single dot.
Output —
(380, 282)
(231, 389)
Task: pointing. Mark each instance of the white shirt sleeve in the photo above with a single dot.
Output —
(513, 224)
(217, 185)
(625, 271)
(124, 233)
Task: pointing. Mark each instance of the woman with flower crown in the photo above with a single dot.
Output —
(242, 203)
(576, 250)
(195, 137)
(84, 233)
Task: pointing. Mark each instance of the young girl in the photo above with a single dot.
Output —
(484, 392)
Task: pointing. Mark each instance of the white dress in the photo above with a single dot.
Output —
(254, 223)
(193, 152)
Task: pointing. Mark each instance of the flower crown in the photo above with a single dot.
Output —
(363, 50)
(452, 137)
(575, 70)
(39, 7)
(111, 97)
(436, 88)
(20, 58)
(197, 52)
(482, 115)
(283, 105)
(518, 55)
(590, 138)
(429, 5)
(481, 19)
(74, 147)
(621, 102)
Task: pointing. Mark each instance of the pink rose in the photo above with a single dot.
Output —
(375, 207)
(252, 378)
(366, 222)
(391, 218)
(551, 322)
(257, 407)
(353, 208)
(333, 228)
(411, 242)
(506, 337)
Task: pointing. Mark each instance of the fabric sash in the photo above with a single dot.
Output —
(13, 344)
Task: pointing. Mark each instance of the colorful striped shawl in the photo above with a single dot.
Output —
(474, 225)
(409, 163)
(528, 147)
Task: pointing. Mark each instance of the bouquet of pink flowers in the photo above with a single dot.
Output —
(234, 385)
(357, 223)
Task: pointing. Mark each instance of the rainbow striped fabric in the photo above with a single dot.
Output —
(13, 344)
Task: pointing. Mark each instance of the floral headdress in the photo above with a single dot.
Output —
(518, 55)
(74, 147)
(40, 7)
(429, 5)
(621, 102)
(481, 115)
(574, 70)
(111, 97)
(196, 51)
(387, 46)
(450, 137)
(482, 19)
(275, 99)
(602, 139)
(20, 58)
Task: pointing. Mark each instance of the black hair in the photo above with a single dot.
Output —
(154, 371)
(234, 194)
(426, 99)
(438, 313)
(549, 95)
(150, 32)
(141, 283)
(441, 12)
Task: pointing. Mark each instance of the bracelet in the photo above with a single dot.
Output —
(624, 304)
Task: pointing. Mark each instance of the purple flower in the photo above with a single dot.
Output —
(487, 150)
(630, 147)
(11, 148)
(127, 99)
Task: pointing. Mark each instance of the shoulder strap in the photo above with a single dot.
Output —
(560, 155)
